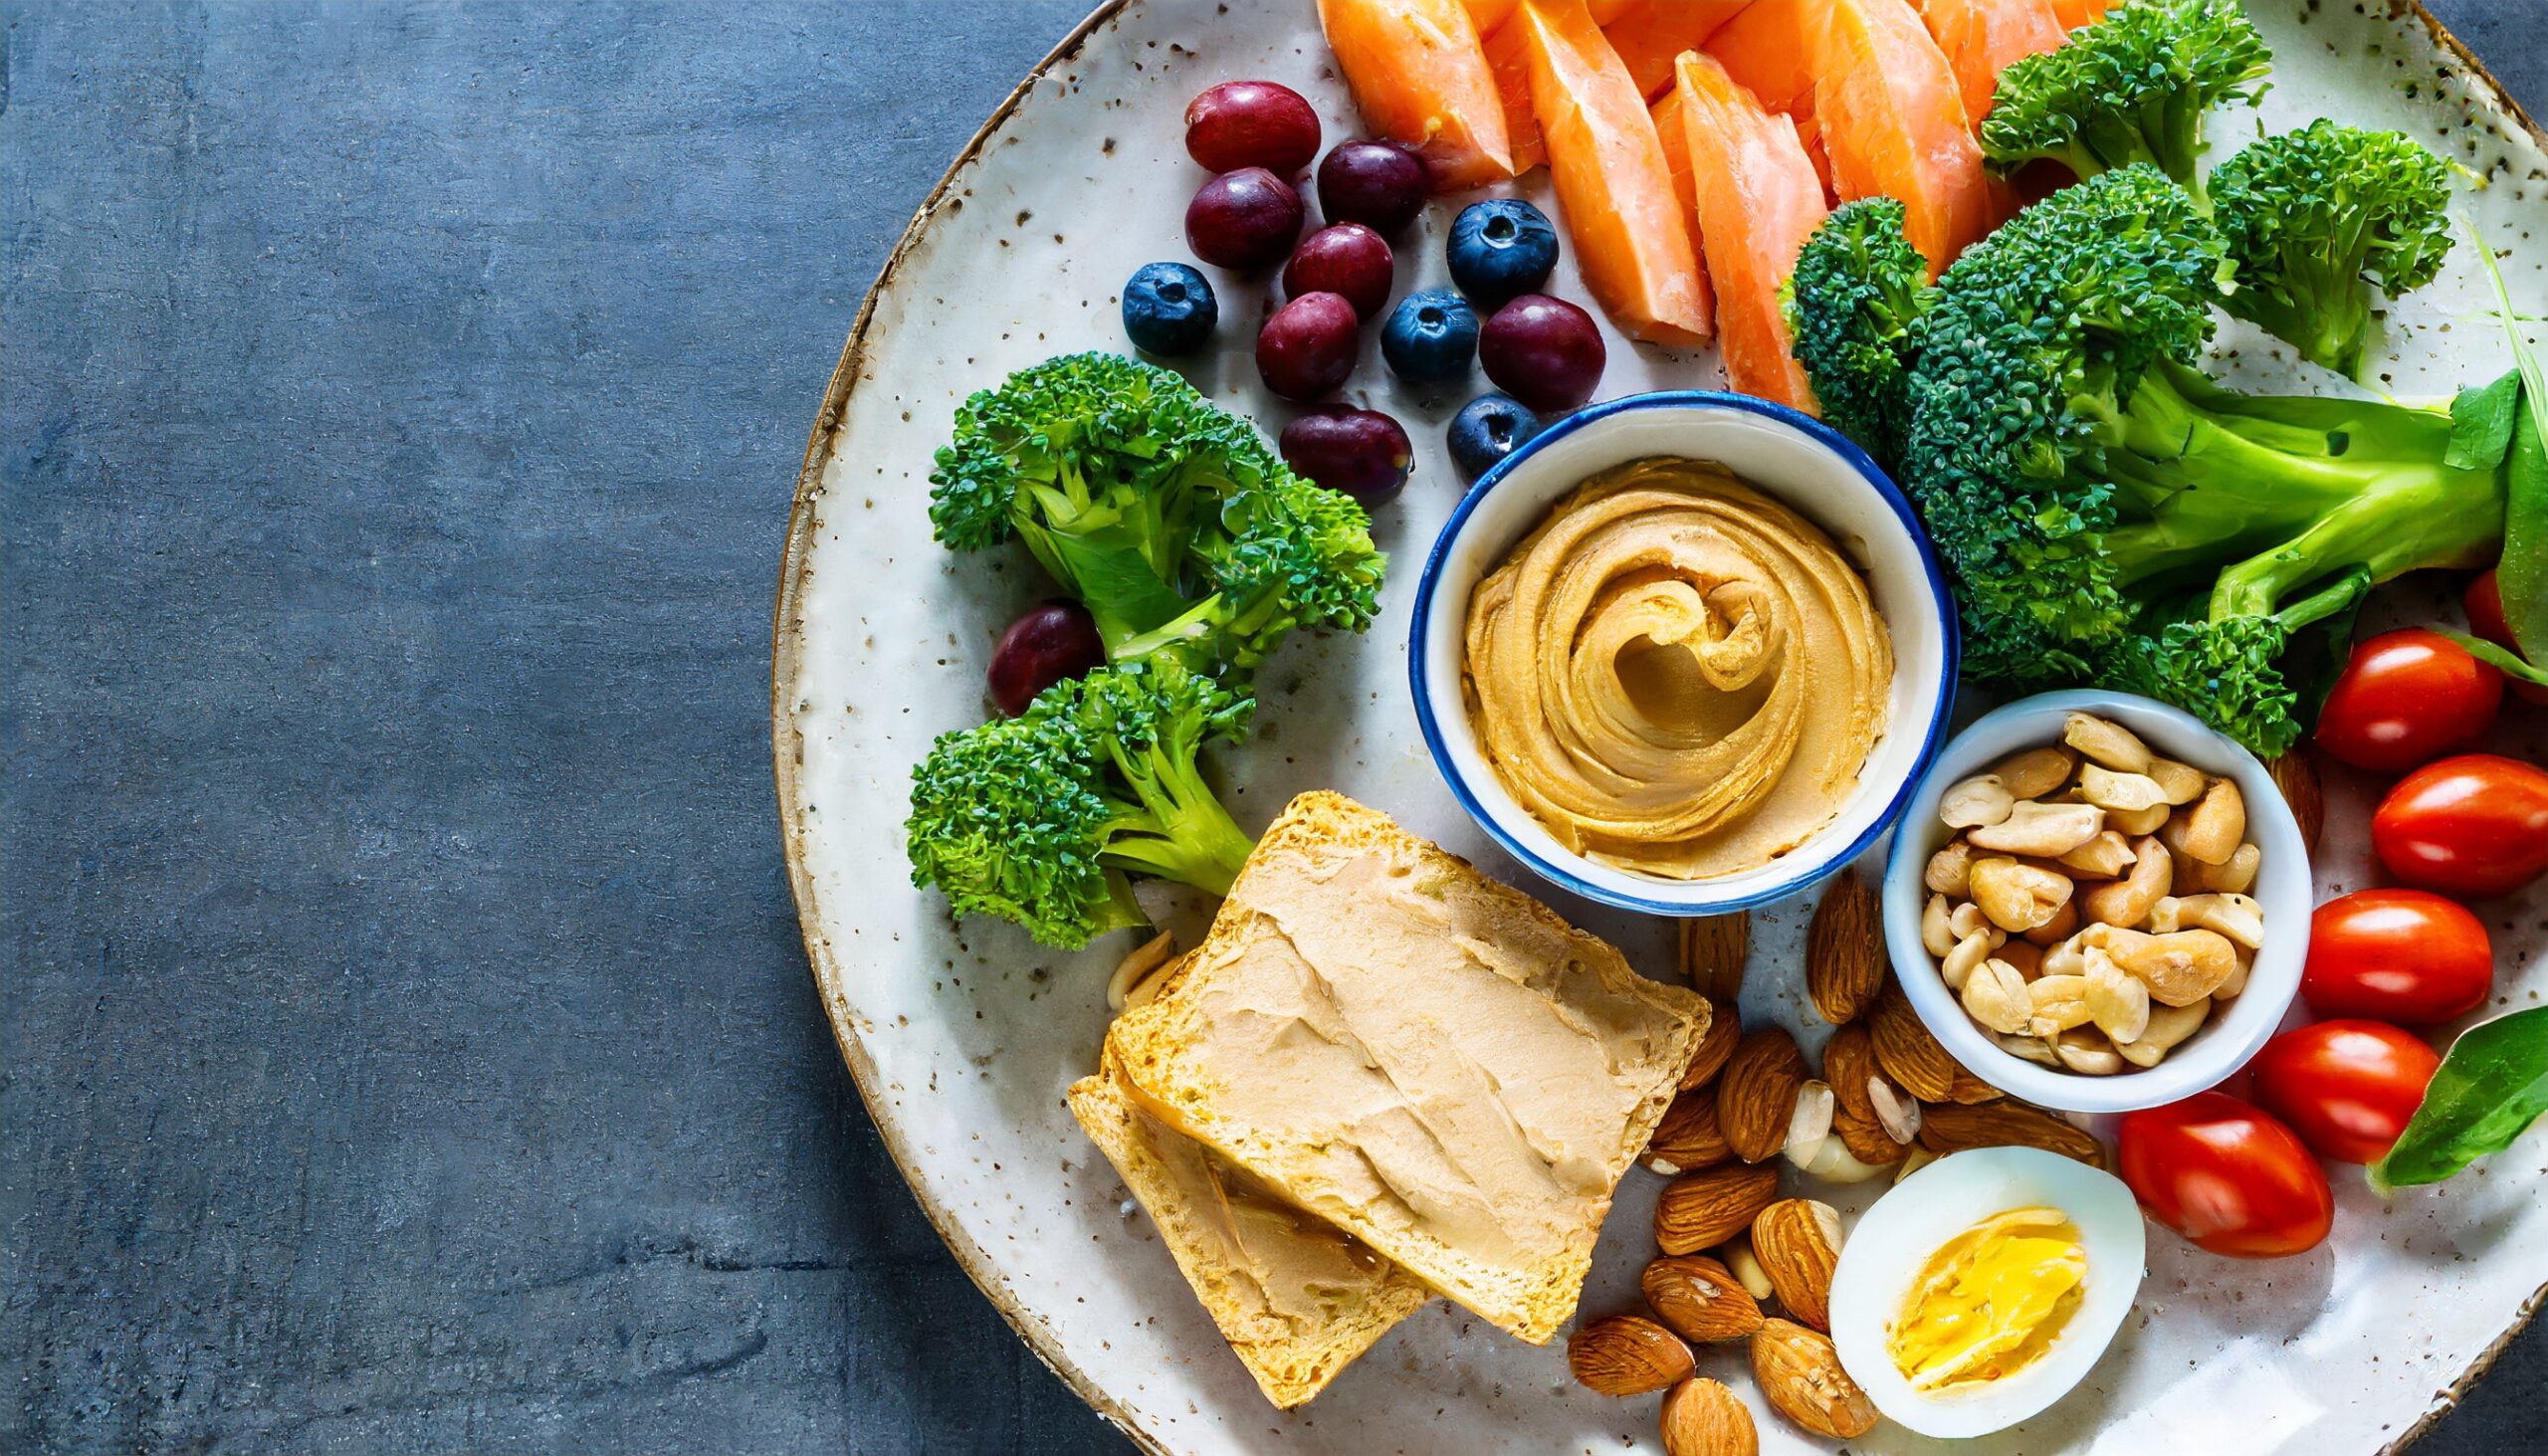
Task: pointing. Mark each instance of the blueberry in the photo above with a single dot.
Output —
(1487, 429)
(1431, 338)
(1168, 310)
(1501, 249)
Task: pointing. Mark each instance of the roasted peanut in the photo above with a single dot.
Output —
(2101, 858)
(2037, 772)
(1976, 802)
(1948, 868)
(2018, 897)
(2107, 741)
(1997, 997)
(2045, 831)
(2127, 902)
(1935, 933)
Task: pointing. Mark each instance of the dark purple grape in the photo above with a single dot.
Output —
(1544, 351)
(1374, 183)
(1251, 124)
(1347, 259)
(1053, 641)
(1243, 219)
(1361, 452)
(1307, 349)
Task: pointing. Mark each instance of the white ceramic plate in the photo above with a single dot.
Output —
(964, 1037)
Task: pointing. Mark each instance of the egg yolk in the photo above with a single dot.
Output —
(1990, 1302)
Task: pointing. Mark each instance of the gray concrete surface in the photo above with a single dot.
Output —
(407, 1044)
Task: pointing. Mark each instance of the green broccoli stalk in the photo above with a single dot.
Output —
(1857, 289)
(2132, 88)
(1036, 819)
(2110, 514)
(2314, 218)
(1168, 517)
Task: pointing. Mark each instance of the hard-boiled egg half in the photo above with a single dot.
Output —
(1980, 1289)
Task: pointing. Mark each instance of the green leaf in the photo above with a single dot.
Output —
(2492, 1086)
(2487, 652)
(2482, 422)
(2522, 578)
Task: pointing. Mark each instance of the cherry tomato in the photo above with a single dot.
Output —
(2471, 827)
(2408, 698)
(2345, 1087)
(2485, 606)
(2227, 1176)
(2401, 956)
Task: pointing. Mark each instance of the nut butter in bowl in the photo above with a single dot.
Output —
(1682, 653)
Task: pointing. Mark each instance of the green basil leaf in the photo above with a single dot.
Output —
(2487, 652)
(2492, 1086)
(2523, 576)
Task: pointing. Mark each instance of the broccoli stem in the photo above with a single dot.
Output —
(1180, 831)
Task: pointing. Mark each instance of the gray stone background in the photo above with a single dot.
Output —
(407, 1040)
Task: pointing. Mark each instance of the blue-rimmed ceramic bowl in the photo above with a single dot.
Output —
(1785, 454)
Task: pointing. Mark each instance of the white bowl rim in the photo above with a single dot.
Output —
(1812, 860)
(2284, 889)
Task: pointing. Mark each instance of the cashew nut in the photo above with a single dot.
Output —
(2088, 1053)
(2032, 1048)
(1966, 919)
(2025, 955)
(2058, 929)
(2058, 1003)
(2017, 897)
(2107, 741)
(1947, 869)
(1969, 952)
(2117, 1002)
(1935, 933)
(1979, 801)
(2037, 772)
(2231, 990)
(1997, 997)
(2214, 828)
(2235, 915)
(2145, 821)
(2125, 793)
(2040, 829)
(2127, 902)
(2237, 877)
(2181, 782)
(2181, 968)
(2101, 858)
(2068, 956)
(2169, 1026)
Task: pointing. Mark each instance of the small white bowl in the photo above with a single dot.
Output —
(2282, 891)
(1790, 456)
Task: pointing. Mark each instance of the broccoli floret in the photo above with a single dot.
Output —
(2111, 513)
(1036, 819)
(1857, 289)
(2316, 217)
(1168, 517)
(2132, 88)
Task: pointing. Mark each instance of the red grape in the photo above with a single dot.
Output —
(1544, 351)
(1052, 642)
(1251, 124)
(1307, 349)
(1361, 452)
(1347, 259)
(1372, 183)
(1243, 219)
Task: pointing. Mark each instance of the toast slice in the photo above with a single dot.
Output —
(1297, 1297)
(1430, 1061)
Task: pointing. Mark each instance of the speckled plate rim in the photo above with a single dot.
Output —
(786, 645)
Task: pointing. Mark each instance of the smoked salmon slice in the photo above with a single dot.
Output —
(1755, 201)
(2076, 13)
(1650, 35)
(1420, 76)
(1892, 117)
(1614, 186)
(1506, 52)
(1981, 37)
(1768, 51)
(1488, 16)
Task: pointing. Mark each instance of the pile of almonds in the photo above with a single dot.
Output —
(1733, 1248)
(2092, 907)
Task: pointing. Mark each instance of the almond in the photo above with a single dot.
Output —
(1848, 1060)
(1703, 1209)
(1949, 1127)
(1969, 1089)
(1756, 1093)
(1629, 1354)
(1866, 1139)
(1687, 1139)
(2297, 777)
(1905, 1049)
(1725, 1028)
(1700, 1299)
(1713, 949)
(1844, 956)
(1704, 1418)
(1797, 1241)
(1800, 1373)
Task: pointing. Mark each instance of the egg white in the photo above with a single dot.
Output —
(1895, 1238)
